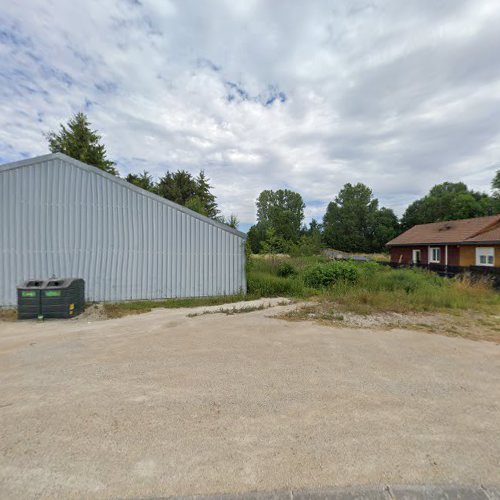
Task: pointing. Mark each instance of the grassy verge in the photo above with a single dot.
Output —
(408, 290)
(367, 287)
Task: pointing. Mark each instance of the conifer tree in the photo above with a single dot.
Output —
(78, 140)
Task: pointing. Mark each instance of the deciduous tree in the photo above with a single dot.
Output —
(448, 201)
(354, 223)
(282, 211)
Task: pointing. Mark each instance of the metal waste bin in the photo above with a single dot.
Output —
(63, 298)
(29, 294)
(50, 298)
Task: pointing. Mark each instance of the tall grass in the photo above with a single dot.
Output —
(264, 278)
(271, 263)
(377, 288)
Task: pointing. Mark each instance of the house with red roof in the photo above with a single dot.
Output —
(464, 243)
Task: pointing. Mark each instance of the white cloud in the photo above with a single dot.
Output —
(400, 96)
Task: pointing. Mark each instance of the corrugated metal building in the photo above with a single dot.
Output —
(61, 217)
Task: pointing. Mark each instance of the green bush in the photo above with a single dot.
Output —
(285, 269)
(324, 275)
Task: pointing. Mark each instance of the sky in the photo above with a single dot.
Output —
(302, 95)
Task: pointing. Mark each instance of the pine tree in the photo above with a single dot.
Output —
(144, 181)
(206, 196)
(192, 192)
(78, 140)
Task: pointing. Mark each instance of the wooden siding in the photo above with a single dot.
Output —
(468, 254)
(403, 255)
(453, 255)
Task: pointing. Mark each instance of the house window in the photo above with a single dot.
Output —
(485, 256)
(435, 255)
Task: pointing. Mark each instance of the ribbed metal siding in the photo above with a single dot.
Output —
(59, 219)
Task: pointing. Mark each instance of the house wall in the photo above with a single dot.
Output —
(64, 218)
(468, 254)
(464, 255)
(453, 255)
(405, 254)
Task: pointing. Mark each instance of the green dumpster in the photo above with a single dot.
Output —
(29, 295)
(63, 298)
(50, 298)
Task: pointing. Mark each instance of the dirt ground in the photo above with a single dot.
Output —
(167, 404)
(473, 325)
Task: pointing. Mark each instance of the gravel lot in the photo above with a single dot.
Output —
(164, 404)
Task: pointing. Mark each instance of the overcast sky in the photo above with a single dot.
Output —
(305, 95)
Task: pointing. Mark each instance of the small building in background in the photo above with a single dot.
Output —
(61, 217)
(457, 243)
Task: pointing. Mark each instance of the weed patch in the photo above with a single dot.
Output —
(8, 315)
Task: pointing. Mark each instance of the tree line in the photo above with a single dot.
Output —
(354, 220)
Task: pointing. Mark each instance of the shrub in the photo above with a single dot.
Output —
(285, 269)
(370, 268)
(324, 275)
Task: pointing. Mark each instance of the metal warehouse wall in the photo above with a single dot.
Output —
(64, 218)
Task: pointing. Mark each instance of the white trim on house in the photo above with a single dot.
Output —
(434, 255)
(414, 258)
(485, 256)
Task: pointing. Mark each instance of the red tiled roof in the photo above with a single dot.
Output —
(452, 231)
(491, 235)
